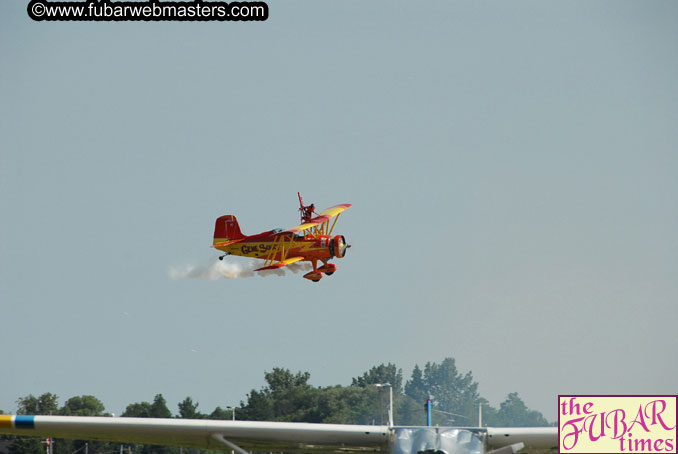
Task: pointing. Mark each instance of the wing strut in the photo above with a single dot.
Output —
(510, 449)
(220, 438)
(333, 224)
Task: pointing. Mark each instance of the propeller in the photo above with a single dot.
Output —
(338, 246)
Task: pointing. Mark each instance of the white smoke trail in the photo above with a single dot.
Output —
(230, 270)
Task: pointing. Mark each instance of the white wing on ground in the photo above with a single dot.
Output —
(534, 437)
(199, 433)
(277, 436)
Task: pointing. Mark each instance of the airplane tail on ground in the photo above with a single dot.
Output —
(227, 228)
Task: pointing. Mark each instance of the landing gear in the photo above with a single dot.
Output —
(221, 257)
(317, 273)
(314, 276)
(328, 268)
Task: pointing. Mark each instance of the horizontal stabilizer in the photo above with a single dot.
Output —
(224, 243)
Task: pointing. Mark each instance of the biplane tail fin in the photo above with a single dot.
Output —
(227, 229)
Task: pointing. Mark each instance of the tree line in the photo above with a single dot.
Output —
(289, 396)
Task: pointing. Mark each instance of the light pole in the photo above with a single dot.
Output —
(390, 400)
(233, 414)
(480, 415)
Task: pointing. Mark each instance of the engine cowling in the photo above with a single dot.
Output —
(338, 246)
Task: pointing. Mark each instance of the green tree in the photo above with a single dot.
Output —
(83, 406)
(157, 409)
(490, 417)
(282, 380)
(455, 395)
(45, 404)
(25, 445)
(221, 413)
(189, 410)
(348, 405)
(293, 397)
(416, 386)
(514, 413)
(287, 397)
(137, 410)
(408, 411)
(383, 373)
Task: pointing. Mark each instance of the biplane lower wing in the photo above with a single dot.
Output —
(272, 436)
(280, 264)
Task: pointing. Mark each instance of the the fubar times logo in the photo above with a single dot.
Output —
(617, 424)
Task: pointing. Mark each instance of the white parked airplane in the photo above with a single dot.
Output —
(283, 436)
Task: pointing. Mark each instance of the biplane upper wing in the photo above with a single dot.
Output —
(323, 216)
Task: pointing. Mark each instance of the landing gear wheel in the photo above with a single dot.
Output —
(221, 257)
(330, 274)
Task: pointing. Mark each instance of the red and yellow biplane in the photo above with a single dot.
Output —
(310, 241)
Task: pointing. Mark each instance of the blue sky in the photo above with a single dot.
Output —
(512, 169)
